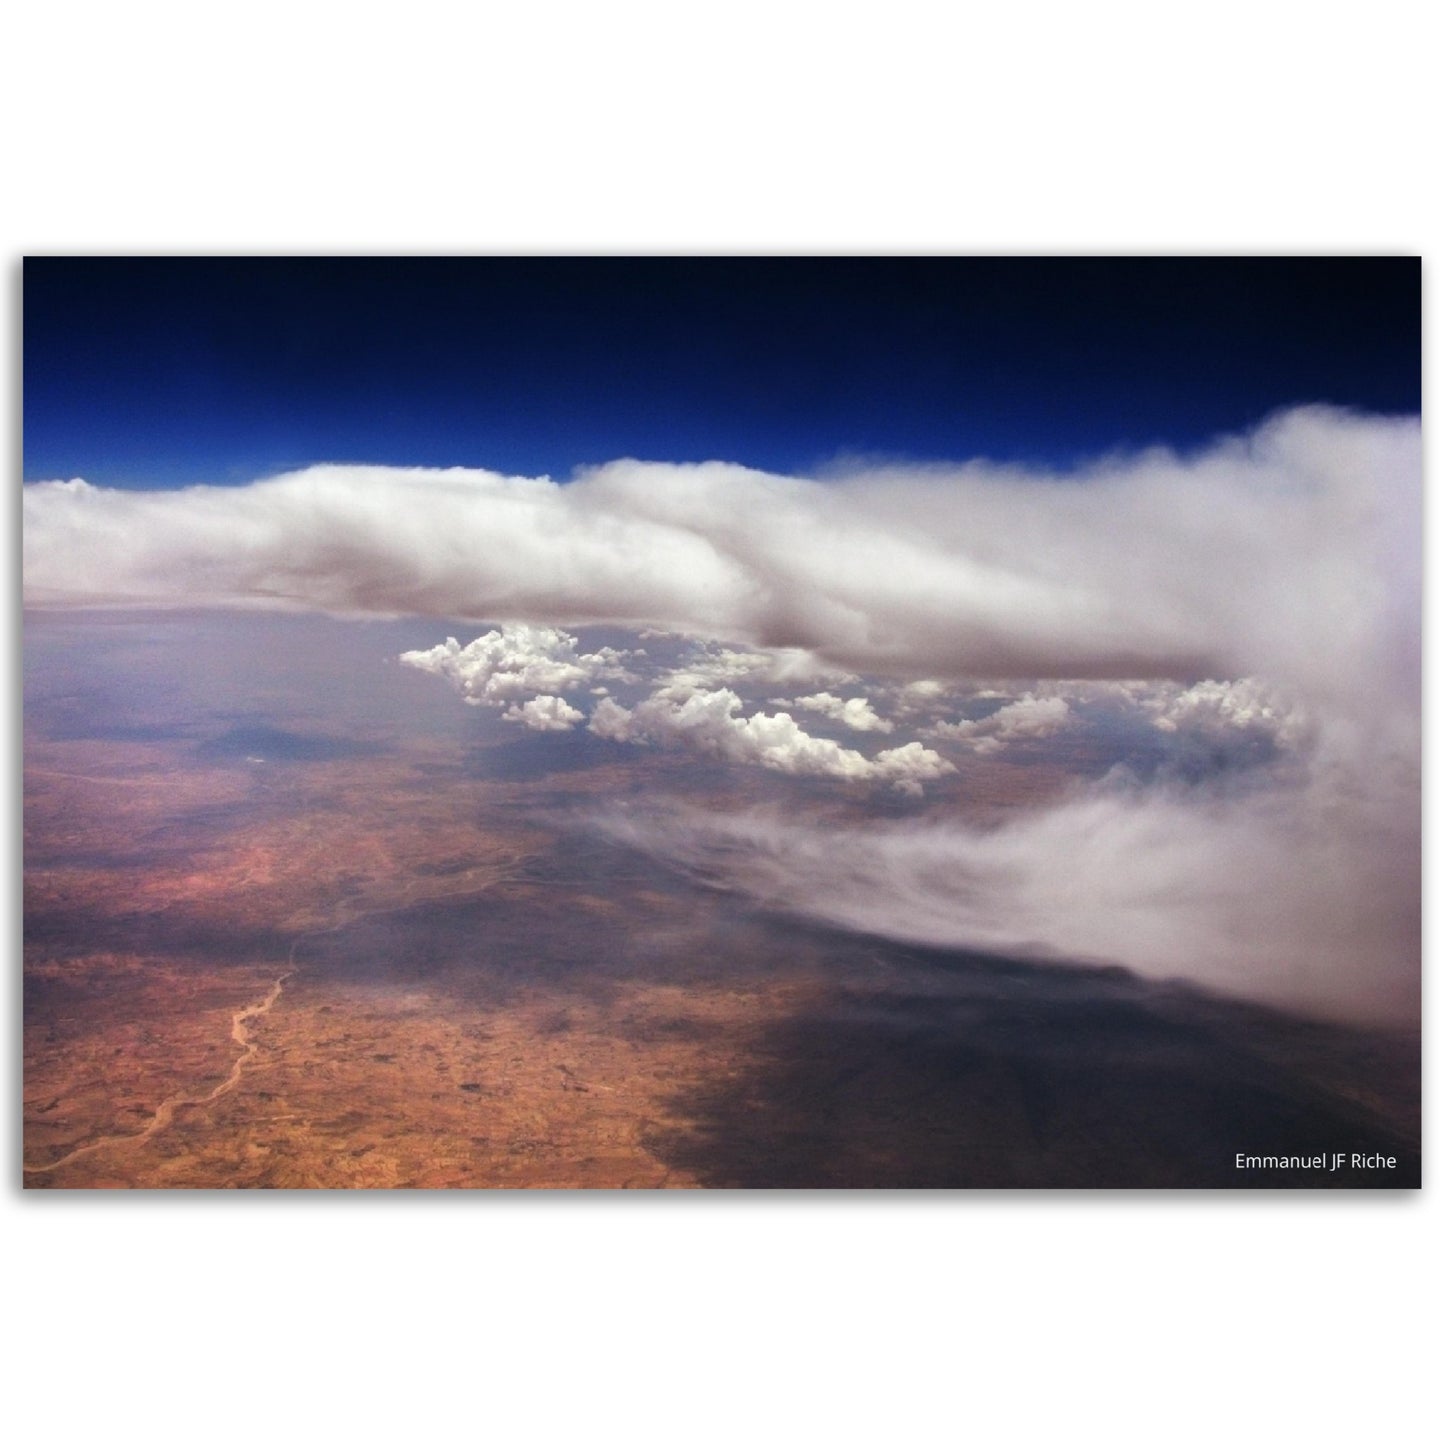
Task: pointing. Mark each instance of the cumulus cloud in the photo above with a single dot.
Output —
(1246, 714)
(528, 667)
(545, 714)
(1222, 713)
(516, 661)
(713, 722)
(1216, 709)
(923, 696)
(1029, 717)
(856, 713)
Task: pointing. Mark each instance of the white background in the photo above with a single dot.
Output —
(657, 127)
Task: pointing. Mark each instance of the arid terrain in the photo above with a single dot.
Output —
(280, 954)
(199, 895)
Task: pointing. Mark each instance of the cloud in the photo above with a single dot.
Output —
(924, 695)
(1218, 709)
(1029, 717)
(545, 714)
(527, 667)
(709, 665)
(856, 713)
(1270, 555)
(1282, 898)
(1208, 711)
(1267, 587)
(713, 722)
(515, 662)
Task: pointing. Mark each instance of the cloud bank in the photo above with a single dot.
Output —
(1266, 555)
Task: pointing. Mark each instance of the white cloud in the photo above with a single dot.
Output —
(856, 713)
(925, 690)
(1290, 899)
(1283, 555)
(515, 662)
(545, 714)
(710, 664)
(1209, 711)
(713, 722)
(909, 765)
(1214, 709)
(924, 696)
(1028, 717)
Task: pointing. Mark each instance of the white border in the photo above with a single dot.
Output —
(644, 127)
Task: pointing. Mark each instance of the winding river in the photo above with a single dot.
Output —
(244, 1017)
(240, 1034)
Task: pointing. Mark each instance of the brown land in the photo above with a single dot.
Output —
(356, 1087)
(170, 1066)
(401, 970)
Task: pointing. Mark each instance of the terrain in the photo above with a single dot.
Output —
(272, 949)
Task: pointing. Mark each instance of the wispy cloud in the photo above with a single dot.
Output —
(1280, 895)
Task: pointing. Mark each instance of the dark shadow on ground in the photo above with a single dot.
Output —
(74, 930)
(1020, 1076)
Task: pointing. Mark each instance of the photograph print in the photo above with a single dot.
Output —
(787, 723)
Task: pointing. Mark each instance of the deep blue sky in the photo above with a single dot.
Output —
(160, 372)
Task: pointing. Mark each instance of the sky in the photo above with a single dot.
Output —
(167, 372)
